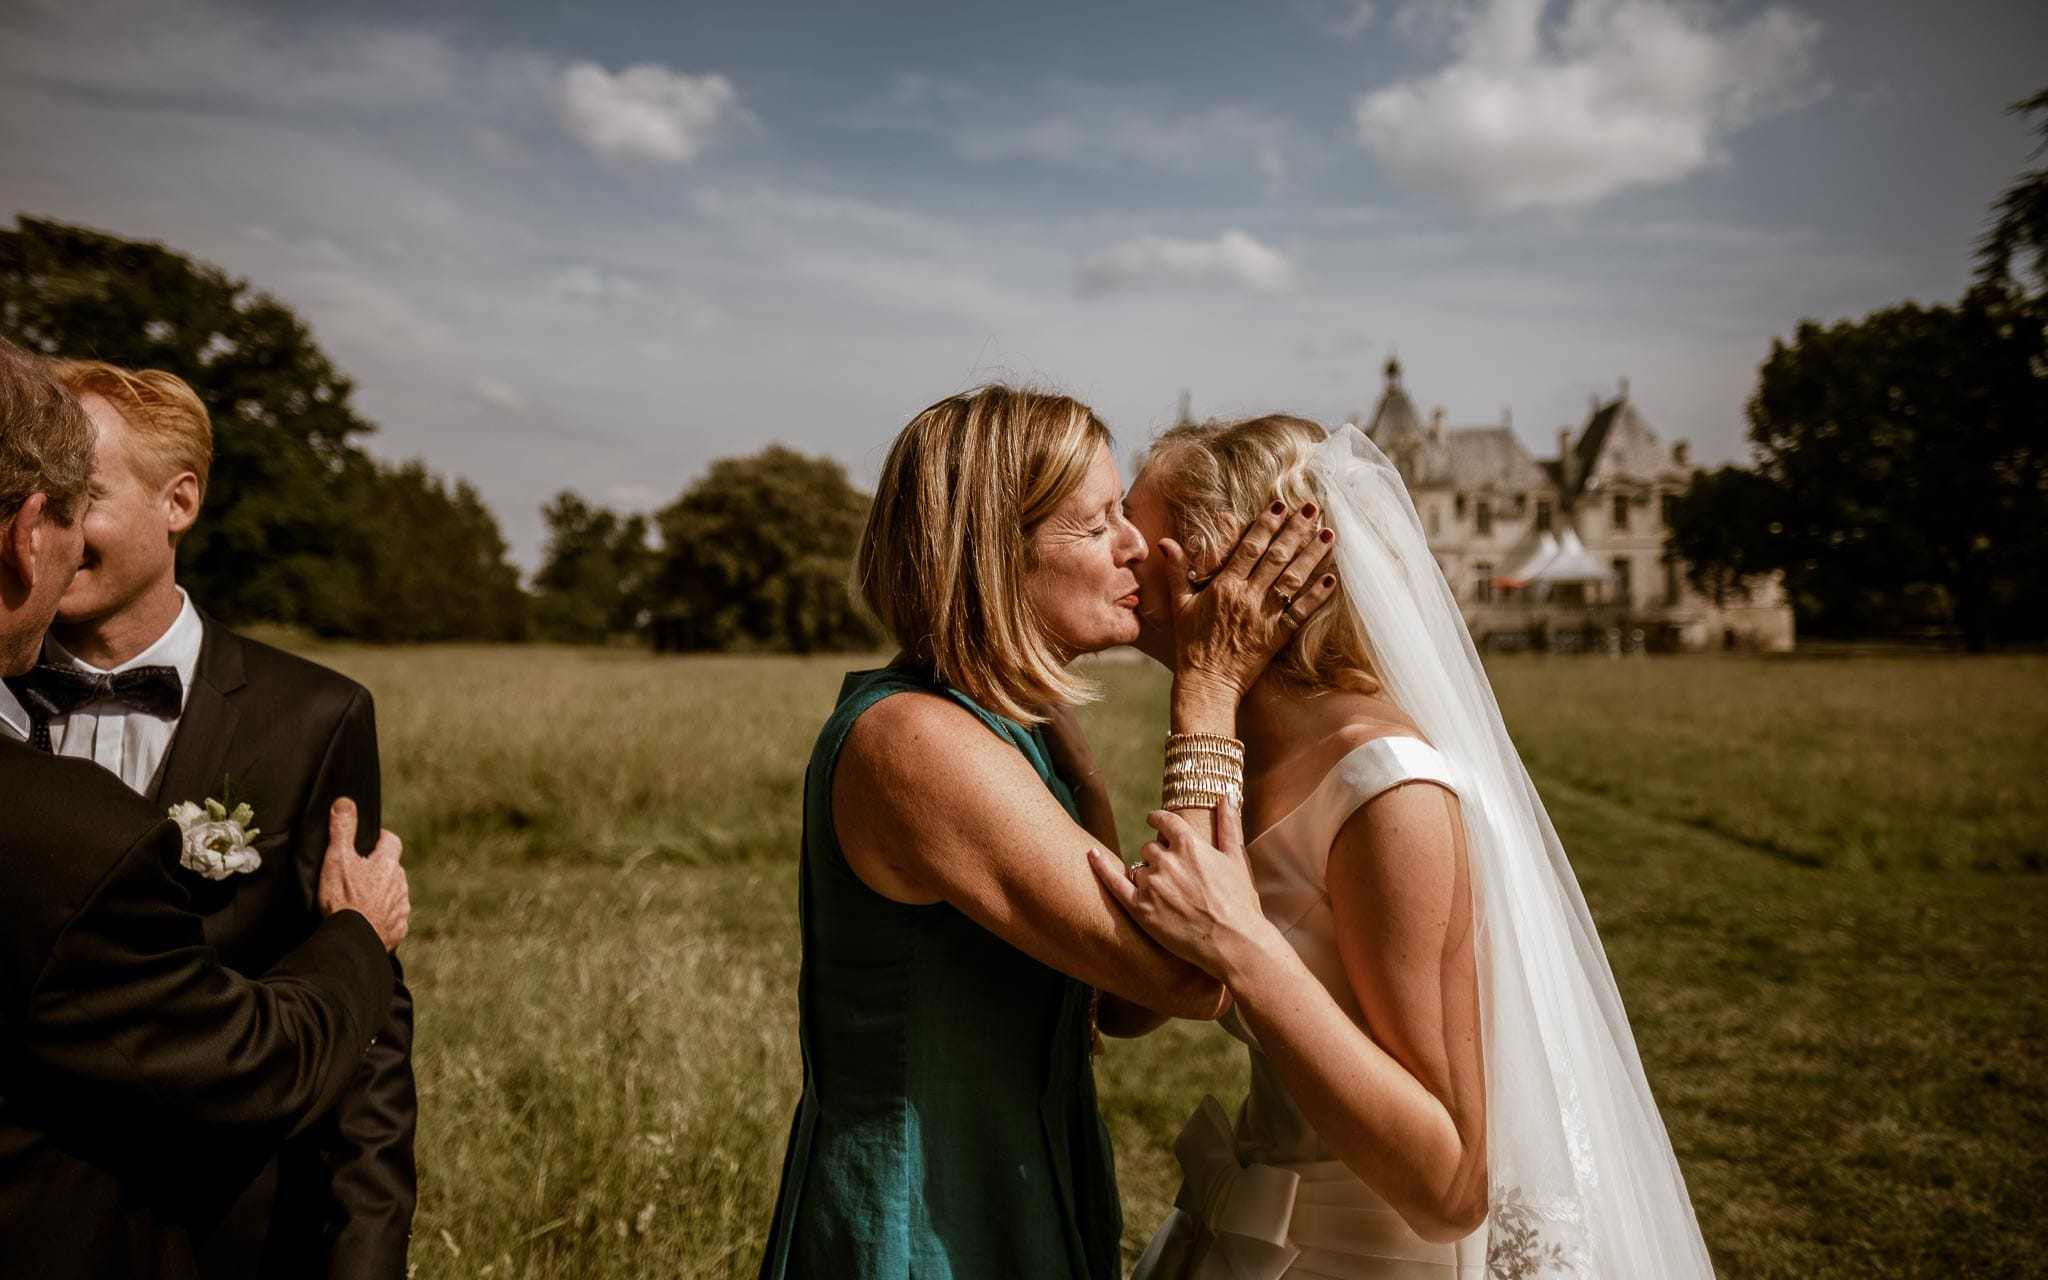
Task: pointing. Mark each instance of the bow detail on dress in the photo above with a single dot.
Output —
(1248, 1208)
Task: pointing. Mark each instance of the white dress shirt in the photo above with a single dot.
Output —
(14, 721)
(131, 743)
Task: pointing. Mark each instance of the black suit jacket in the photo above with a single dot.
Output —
(289, 736)
(129, 1057)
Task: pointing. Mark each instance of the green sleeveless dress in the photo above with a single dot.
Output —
(948, 1127)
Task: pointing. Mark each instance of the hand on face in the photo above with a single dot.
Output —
(1196, 899)
(1228, 628)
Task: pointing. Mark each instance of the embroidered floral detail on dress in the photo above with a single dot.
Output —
(1573, 1114)
(1532, 1240)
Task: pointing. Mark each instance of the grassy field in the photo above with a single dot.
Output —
(1820, 884)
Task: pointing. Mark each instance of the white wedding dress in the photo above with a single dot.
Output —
(1582, 1183)
(1265, 1198)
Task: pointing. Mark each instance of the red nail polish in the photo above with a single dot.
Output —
(1329, 579)
(1279, 508)
(1327, 534)
(1308, 510)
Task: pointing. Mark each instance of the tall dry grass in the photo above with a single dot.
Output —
(1819, 884)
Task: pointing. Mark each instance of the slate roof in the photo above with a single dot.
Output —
(1618, 445)
(1492, 458)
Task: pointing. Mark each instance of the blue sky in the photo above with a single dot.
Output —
(597, 246)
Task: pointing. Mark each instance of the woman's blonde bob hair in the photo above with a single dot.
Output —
(1214, 478)
(947, 547)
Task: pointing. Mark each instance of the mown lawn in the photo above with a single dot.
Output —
(1820, 884)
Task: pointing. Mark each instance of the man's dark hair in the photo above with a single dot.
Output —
(46, 440)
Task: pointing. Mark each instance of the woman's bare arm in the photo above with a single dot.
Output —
(930, 806)
(1403, 1105)
(1074, 760)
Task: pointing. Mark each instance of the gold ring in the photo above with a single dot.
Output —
(1136, 867)
(1286, 600)
(1287, 620)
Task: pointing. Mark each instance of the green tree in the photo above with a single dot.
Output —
(436, 567)
(2019, 219)
(300, 525)
(1725, 527)
(596, 572)
(277, 533)
(757, 555)
(1911, 447)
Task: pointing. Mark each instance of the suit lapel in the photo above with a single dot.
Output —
(199, 748)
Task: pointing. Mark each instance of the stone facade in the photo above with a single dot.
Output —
(1487, 504)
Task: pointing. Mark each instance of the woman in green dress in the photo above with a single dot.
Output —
(954, 935)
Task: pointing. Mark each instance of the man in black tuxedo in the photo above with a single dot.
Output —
(256, 726)
(139, 1079)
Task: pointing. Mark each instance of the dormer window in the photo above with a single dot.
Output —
(1483, 518)
(1543, 515)
(1621, 511)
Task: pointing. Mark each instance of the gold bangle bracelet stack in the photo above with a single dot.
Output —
(1201, 769)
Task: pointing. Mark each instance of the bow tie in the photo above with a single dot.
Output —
(51, 690)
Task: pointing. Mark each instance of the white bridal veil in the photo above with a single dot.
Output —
(1582, 1179)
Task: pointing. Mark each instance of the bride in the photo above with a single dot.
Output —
(1443, 1081)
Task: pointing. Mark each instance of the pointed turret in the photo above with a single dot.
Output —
(1420, 452)
(1396, 414)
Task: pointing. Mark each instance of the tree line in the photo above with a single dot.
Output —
(303, 527)
(1900, 461)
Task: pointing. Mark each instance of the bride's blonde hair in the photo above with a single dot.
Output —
(1214, 478)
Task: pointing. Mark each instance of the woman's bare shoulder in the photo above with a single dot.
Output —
(923, 742)
(1346, 720)
(911, 727)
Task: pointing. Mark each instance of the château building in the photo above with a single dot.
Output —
(1570, 552)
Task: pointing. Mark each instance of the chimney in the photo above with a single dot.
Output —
(1187, 405)
(1507, 415)
(1624, 387)
(1681, 454)
(1564, 458)
(1436, 424)
(1592, 403)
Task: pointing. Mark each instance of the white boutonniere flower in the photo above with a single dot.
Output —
(218, 841)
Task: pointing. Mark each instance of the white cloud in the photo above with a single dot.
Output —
(1233, 260)
(499, 394)
(1345, 19)
(645, 114)
(1612, 94)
